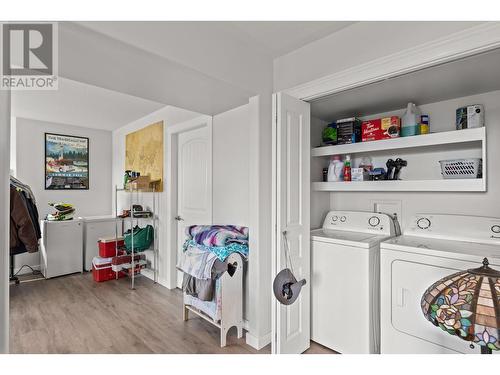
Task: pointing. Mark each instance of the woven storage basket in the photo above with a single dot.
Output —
(461, 168)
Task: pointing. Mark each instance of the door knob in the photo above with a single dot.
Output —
(178, 218)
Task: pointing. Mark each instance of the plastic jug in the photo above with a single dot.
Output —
(336, 169)
(410, 121)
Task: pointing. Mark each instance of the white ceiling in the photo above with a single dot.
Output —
(280, 38)
(75, 103)
(168, 39)
(112, 73)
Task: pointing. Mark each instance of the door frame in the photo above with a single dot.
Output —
(172, 135)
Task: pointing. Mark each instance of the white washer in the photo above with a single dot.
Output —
(433, 246)
(345, 280)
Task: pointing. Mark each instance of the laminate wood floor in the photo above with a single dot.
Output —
(73, 314)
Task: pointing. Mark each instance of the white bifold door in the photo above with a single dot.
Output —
(291, 214)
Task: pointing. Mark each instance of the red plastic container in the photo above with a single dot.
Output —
(103, 271)
(107, 246)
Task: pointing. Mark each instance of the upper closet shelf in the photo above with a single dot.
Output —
(425, 140)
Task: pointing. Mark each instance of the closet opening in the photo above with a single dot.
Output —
(421, 183)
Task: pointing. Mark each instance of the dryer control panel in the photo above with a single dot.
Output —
(359, 221)
(456, 227)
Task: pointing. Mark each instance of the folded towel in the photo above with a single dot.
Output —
(221, 252)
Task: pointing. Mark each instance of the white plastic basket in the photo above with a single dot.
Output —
(461, 168)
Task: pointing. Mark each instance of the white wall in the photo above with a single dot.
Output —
(442, 116)
(356, 44)
(320, 201)
(231, 182)
(29, 168)
(4, 219)
(231, 158)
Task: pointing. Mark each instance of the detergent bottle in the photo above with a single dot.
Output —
(336, 169)
(411, 121)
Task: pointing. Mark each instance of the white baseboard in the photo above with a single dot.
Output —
(258, 342)
(150, 275)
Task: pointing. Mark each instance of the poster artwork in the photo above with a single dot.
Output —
(66, 162)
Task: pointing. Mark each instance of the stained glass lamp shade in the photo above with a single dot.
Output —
(467, 304)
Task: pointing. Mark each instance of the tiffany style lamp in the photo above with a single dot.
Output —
(467, 304)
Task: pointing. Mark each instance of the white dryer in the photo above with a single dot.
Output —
(433, 246)
(345, 280)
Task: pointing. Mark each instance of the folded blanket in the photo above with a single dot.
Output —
(197, 262)
(221, 252)
(217, 235)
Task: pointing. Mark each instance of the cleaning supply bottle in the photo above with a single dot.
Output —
(411, 121)
(336, 169)
(424, 124)
(347, 168)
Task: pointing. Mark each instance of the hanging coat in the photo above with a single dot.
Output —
(23, 236)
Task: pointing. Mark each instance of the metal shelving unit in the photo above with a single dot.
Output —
(134, 198)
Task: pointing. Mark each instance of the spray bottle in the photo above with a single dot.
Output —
(347, 168)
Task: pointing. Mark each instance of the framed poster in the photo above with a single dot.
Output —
(66, 162)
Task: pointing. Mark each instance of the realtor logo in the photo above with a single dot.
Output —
(29, 56)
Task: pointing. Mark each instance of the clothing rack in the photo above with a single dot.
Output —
(23, 211)
(12, 277)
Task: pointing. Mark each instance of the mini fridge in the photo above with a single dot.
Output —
(61, 247)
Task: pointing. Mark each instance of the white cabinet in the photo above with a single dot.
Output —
(96, 227)
(62, 247)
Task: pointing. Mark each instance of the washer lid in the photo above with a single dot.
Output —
(341, 237)
(472, 251)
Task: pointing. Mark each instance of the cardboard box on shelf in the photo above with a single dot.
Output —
(382, 128)
(359, 174)
(140, 183)
(348, 131)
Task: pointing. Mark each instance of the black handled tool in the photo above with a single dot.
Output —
(390, 168)
(400, 163)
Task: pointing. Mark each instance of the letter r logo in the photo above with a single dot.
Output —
(27, 49)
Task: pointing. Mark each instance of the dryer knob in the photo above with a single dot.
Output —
(342, 218)
(495, 228)
(423, 223)
(335, 218)
(374, 221)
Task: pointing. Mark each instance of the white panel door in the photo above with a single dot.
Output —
(291, 213)
(194, 189)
